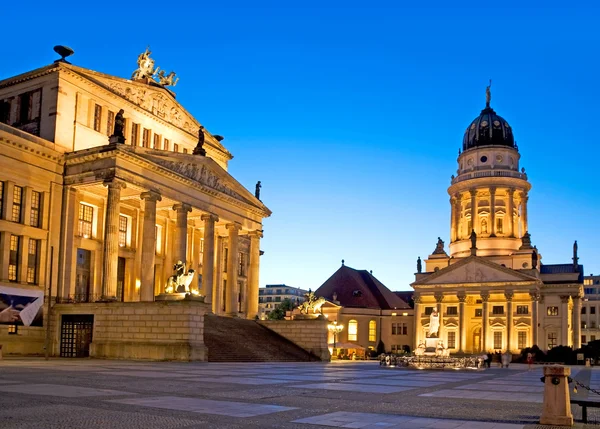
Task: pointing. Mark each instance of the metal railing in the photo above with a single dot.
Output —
(78, 298)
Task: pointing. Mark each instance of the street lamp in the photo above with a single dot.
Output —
(335, 329)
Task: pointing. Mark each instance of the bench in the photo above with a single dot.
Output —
(584, 406)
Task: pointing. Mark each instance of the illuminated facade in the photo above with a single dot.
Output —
(114, 218)
(491, 290)
(271, 296)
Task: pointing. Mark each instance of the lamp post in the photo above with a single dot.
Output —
(335, 329)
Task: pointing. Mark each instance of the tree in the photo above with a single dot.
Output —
(279, 312)
(380, 347)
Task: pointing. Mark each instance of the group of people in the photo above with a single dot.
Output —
(503, 359)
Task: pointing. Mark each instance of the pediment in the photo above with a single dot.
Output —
(450, 322)
(497, 322)
(475, 270)
(523, 322)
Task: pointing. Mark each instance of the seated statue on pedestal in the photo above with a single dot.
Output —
(180, 281)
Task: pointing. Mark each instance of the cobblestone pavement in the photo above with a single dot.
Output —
(62, 393)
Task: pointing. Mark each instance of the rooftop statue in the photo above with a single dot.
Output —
(257, 190)
(145, 66)
(168, 80)
(488, 94)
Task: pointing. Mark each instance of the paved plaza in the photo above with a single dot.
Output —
(61, 393)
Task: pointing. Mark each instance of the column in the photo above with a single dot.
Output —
(524, 200)
(9, 188)
(535, 297)
(180, 237)
(110, 252)
(510, 215)
(148, 245)
(492, 212)
(509, 320)
(564, 324)
(417, 327)
(474, 214)
(439, 297)
(485, 296)
(462, 328)
(231, 305)
(452, 219)
(252, 297)
(576, 322)
(208, 258)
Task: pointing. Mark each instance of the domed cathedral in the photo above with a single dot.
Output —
(492, 292)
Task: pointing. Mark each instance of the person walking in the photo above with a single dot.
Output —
(529, 360)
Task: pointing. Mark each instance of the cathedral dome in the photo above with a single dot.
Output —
(488, 129)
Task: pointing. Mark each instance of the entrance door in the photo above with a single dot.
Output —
(82, 276)
(121, 280)
(76, 335)
(477, 340)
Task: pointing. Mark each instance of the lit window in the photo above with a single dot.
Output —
(122, 231)
(158, 238)
(372, 331)
(32, 261)
(34, 217)
(497, 340)
(156, 141)
(146, 137)
(166, 147)
(17, 204)
(97, 117)
(13, 262)
(185, 150)
(175, 147)
(13, 330)
(522, 340)
(552, 311)
(110, 123)
(451, 340)
(135, 134)
(552, 340)
(86, 216)
(522, 309)
(352, 330)
(499, 225)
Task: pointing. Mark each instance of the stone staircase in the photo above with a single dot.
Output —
(239, 340)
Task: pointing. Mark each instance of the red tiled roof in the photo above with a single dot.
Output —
(358, 288)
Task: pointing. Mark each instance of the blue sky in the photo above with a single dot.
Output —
(351, 113)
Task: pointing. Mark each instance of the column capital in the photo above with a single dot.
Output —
(473, 193)
(114, 183)
(462, 297)
(565, 298)
(416, 298)
(535, 296)
(182, 207)
(509, 295)
(492, 190)
(233, 226)
(209, 217)
(510, 191)
(577, 297)
(258, 233)
(485, 296)
(150, 196)
(439, 297)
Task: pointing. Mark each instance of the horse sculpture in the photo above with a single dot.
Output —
(180, 281)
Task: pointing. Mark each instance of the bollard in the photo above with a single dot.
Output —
(557, 401)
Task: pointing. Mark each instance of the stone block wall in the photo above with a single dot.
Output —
(163, 330)
(311, 335)
(29, 341)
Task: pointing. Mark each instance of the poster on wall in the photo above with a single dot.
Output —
(21, 306)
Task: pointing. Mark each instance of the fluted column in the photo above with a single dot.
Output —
(576, 322)
(208, 258)
(148, 245)
(111, 240)
(462, 328)
(511, 209)
(524, 222)
(509, 320)
(485, 296)
(493, 212)
(457, 211)
(439, 297)
(231, 304)
(452, 219)
(418, 321)
(180, 238)
(535, 297)
(564, 316)
(253, 285)
(474, 214)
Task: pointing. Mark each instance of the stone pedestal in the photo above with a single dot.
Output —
(557, 402)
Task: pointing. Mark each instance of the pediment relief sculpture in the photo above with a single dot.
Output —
(450, 322)
(475, 272)
(497, 322)
(522, 322)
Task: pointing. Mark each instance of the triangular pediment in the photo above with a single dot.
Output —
(475, 270)
(155, 99)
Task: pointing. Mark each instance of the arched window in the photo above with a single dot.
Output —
(483, 226)
(372, 331)
(352, 330)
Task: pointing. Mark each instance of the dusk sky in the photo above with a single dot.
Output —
(352, 113)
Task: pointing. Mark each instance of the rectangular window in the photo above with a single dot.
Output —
(17, 204)
(452, 311)
(25, 108)
(32, 261)
(428, 311)
(478, 312)
(394, 329)
(110, 123)
(122, 231)
(34, 217)
(522, 309)
(497, 340)
(13, 330)
(5, 112)
(175, 147)
(157, 141)
(1, 199)
(13, 261)
(499, 225)
(225, 254)
(552, 311)
(372, 331)
(86, 216)
(552, 340)
(97, 117)
(158, 238)
(592, 338)
(241, 265)
(498, 309)
(135, 134)
(583, 339)
(583, 310)
(166, 146)
(146, 137)
(404, 329)
(353, 330)
(521, 340)
(451, 340)
(593, 309)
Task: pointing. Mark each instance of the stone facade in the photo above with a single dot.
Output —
(311, 335)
